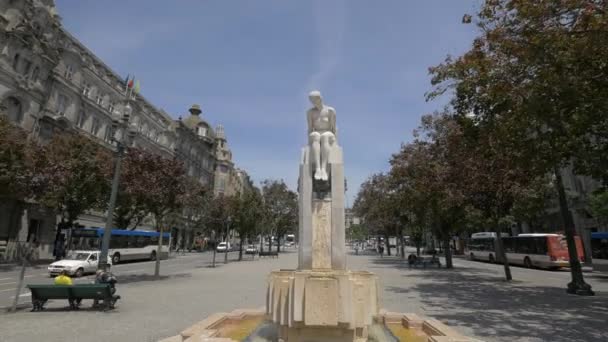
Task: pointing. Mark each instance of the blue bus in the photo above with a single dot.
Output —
(125, 245)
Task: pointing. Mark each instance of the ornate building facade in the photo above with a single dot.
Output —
(50, 82)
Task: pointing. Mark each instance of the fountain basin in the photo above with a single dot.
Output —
(254, 325)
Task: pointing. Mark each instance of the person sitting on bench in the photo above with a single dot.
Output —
(106, 277)
(64, 279)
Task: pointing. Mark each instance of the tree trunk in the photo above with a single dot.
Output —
(402, 242)
(214, 253)
(241, 250)
(501, 256)
(261, 243)
(226, 250)
(577, 285)
(278, 244)
(158, 251)
(447, 251)
(388, 245)
(22, 255)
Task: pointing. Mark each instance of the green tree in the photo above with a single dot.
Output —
(159, 189)
(281, 208)
(599, 205)
(535, 68)
(247, 216)
(17, 181)
(71, 176)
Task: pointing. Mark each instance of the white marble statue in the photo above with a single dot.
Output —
(322, 133)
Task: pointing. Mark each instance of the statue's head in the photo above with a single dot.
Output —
(316, 99)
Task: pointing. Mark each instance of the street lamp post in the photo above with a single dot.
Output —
(120, 126)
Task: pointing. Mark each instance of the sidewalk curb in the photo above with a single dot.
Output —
(21, 306)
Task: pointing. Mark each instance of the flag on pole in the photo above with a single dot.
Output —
(136, 89)
(127, 80)
(130, 84)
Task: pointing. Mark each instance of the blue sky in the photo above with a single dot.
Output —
(251, 64)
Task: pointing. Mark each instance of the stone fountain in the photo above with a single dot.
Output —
(320, 300)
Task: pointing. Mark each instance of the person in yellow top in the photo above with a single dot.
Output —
(63, 279)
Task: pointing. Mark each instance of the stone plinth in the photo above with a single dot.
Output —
(331, 305)
(321, 216)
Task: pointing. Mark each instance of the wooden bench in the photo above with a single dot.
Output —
(415, 261)
(73, 293)
(274, 254)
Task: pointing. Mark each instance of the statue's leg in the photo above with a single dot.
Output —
(315, 143)
(325, 150)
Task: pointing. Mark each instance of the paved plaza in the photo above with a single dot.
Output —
(472, 298)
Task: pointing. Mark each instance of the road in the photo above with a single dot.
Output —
(473, 298)
(40, 275)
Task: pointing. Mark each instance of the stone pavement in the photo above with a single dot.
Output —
(475, 300)
(472, 298)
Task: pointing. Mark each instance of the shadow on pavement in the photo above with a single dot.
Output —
(135, 278)
(492, 307)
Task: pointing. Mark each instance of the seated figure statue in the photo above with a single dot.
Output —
(322, 134)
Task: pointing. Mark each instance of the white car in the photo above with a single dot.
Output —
(77, 263)
(251, 249)
(223, 246)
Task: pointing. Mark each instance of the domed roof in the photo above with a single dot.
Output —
(194, 120)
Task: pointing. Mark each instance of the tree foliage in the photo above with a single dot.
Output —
(70, 173)
(281, 208)
(534, 79)
(16, 178)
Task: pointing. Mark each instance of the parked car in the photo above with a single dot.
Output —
(251, 249)
(223, 247)
(77, 263)
(289, 244)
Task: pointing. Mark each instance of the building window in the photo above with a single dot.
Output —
(86, 89)
(95, 126)
(99, 99)
(62, 103)
(69, 71)
(14, 109)
(108, 133)
(223, 168)
(222, 184)
(16, 62)
(82, 119)
(202, 131)
(111, 107)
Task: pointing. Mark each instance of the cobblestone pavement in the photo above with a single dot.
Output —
(473, 298)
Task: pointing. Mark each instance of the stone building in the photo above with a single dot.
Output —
(50, 82)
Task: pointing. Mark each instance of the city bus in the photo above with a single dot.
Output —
(125, 245)
(529, 250)
(599, 251)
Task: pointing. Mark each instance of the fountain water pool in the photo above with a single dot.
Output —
(253, 325)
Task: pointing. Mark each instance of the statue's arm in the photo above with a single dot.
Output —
(309, 119)
(332, 120)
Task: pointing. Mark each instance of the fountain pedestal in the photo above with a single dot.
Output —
(321, 300)
(322, 305)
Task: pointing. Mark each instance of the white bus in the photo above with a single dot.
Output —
(482, 246)
(124, 244)
(529, 250)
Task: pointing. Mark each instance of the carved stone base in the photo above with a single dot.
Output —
(330, 305)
